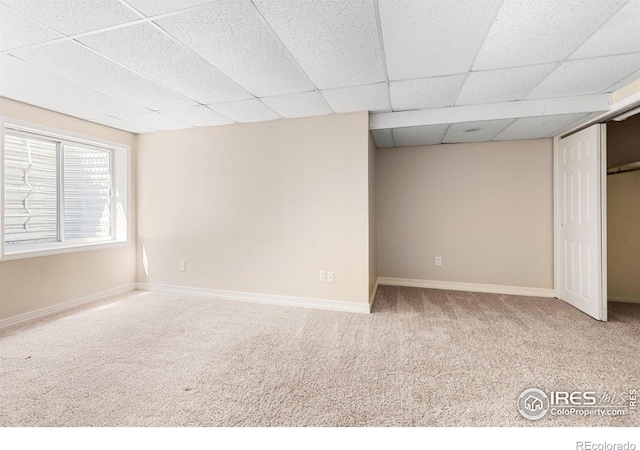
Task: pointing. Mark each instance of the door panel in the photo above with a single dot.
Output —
(578, 230)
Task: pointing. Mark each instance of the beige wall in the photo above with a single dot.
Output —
(627, 91)
(486, 209)
(623, 236)
(30, 284)
(373, 263)
(259, 207)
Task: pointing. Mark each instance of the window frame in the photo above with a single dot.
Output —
(121, 205)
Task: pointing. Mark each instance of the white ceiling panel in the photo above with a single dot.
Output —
(582, 120)
(298, 105)
(18, 31)
(481, 131)
(26, 75)
(73, 61)
(44, 101)
(623, 82)
(621, 34)
(233, 37)
(246, 111)
(154, 7)
(123, 125)
(371, 97)
(423, 135)
(579, 120)
(257, 60)
(569, 78)
(72, 17)
(156, 121)
(382, 138)
(425, 93)
(529, 32)
(432, 38)
(503, 85)
(152, 53)
(335, 42)
(198, 116)
(538, 127)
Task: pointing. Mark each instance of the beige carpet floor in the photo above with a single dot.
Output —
(423, 358)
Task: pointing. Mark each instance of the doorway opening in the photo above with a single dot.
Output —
(597, 212)
(623, 209)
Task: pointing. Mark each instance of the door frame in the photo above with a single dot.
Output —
(603, 221)
(602, 216)
(621, 106)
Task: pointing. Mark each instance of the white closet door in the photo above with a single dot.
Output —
(579, 216)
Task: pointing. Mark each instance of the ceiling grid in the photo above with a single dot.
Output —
(428, 72)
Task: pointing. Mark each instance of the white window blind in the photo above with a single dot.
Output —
(60, 192)
(30, 190)
(87, 192)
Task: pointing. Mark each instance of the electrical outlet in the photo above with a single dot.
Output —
(438, 260)
(182, 266)
(323, 276)
(330, 277)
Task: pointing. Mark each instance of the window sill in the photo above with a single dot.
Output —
(63, 250)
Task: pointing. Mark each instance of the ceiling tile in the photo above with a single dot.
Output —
(371, 97)
(123, 125)
(71, 16)
(232, 36)
(154, 7)
(18, 31)
(623, 82)
(336, 42)
(382, 138)
(588, 117)
(298, 105)
(148, 51)
(425, 93)
(537, 127)
(621, 34)
(529, 32)
(481, 131)
(198, 116)
(71, 60)
(569, 78)
(156, 121)
(422, 135)
(578, 120)
(246, 111)
(44, 101)
(432, 38)
(23, 74)
(503, 85)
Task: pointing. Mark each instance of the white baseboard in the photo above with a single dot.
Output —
(624, 297)
(469, 287)
(42, 312)
(373, 295)
(251, 297)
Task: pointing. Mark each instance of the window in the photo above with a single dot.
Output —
(60, 192)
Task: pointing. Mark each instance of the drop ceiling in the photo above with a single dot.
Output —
(453, 68)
